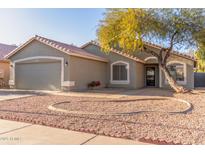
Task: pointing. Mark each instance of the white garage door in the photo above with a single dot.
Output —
(38, 76)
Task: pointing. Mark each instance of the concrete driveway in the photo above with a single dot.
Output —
(12, 132)
(6, 94)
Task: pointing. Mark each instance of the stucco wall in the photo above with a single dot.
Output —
(4, 66)
(189, 72)
(189, 67)
(38, 49)
(113, 57)
(140, 73)
(80, 70)
(83, 71)
(136, 69)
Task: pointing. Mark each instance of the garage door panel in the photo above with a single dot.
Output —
(38, 76)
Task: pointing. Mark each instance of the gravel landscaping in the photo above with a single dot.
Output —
(122, 106)
(155, 127)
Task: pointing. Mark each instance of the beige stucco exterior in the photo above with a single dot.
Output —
(189, 72)
(137, 70)
(189, 65)
(76, 73)
(83, 71)
(4, 73)
(140, 75)
(36, 49)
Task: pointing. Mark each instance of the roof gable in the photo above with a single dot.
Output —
(138, 59)
(173, 51)
(63, 47)
(116, 51)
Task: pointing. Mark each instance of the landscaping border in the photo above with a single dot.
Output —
(187, 110)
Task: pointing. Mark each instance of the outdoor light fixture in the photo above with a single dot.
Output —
(66, 63)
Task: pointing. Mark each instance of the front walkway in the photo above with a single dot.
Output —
(23, 133)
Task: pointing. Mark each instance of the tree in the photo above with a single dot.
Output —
(172, 29)
(200, 56)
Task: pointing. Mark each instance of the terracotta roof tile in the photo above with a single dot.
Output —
(66, 48)
(120, 53)
(70, 49)
(173, 52)
(146, 43)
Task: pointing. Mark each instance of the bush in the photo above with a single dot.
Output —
(94, 84)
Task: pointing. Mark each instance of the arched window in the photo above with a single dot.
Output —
(178, 71)
(119, 72)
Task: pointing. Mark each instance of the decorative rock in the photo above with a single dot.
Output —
(161, 127)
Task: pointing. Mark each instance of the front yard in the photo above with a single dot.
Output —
(154, 115)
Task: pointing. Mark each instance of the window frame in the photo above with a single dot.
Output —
(185, 72)
(120, 81)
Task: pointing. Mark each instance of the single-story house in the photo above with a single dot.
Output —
(42, 63)
(4, 64)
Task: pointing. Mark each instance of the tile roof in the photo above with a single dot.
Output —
(140, 60)
(5, 49)
(117, 51)
(66, 48)
(173, 52)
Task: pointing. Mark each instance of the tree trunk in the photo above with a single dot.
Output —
(162, 66)
(171, 81)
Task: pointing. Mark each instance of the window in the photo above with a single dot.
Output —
(178, 71)
(120, 72)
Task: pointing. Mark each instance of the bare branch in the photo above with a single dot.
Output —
(172, 40)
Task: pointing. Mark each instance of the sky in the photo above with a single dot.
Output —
(72, 26)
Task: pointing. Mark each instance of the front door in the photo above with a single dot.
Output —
(150, 76)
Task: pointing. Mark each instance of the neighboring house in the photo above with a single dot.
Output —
(41, 63)
(4, 64)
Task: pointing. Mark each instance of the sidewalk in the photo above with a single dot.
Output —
(12, 132)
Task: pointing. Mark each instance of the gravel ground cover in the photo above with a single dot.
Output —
(158, 127)
(123, 106)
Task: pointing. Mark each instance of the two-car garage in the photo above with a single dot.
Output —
(44, 64)
(43, 75)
